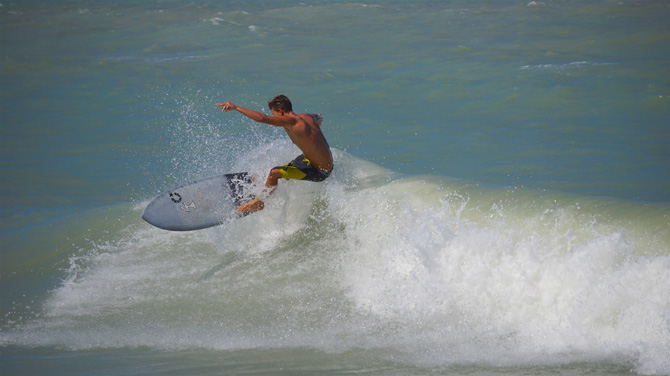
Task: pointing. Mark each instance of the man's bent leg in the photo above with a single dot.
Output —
(270, 184)
(273, 178)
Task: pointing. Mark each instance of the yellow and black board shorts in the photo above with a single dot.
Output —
(301, 169)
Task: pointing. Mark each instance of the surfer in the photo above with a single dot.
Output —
(316, 161)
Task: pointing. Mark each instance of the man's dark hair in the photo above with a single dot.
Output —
(281, 102)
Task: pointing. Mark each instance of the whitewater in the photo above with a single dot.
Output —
(421, 270)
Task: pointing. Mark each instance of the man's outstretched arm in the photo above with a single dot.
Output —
(280, 121)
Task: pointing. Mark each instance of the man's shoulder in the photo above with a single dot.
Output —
(311, 119)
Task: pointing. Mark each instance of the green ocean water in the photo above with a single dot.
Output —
(500, 204)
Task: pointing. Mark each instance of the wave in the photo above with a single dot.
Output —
(564, 66)
(430, 270)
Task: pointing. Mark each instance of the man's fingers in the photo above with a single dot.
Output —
(225, 106)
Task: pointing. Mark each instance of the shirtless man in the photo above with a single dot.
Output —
(316, 162)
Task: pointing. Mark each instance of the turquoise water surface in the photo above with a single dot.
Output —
(500, 204)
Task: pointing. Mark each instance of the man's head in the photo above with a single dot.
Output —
(280, 103)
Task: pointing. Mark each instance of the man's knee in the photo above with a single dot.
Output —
(273, 177)
(276, 173)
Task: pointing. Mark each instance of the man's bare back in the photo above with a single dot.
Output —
(307, 136)
(316, 162)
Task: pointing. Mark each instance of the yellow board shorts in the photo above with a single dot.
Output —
(301, 169)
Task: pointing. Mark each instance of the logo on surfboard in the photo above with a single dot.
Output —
(175, 197)
(187, 208)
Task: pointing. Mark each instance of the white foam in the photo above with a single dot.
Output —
(517, 285)
(216, 20)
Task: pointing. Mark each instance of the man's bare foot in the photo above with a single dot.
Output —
(251, 206)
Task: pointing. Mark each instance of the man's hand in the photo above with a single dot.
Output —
(227, 106)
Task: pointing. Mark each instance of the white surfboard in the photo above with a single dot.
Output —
(200, 204)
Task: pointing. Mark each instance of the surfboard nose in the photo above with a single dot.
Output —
(153, 217)
(199, 204)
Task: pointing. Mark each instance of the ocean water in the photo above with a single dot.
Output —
(500, 204)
